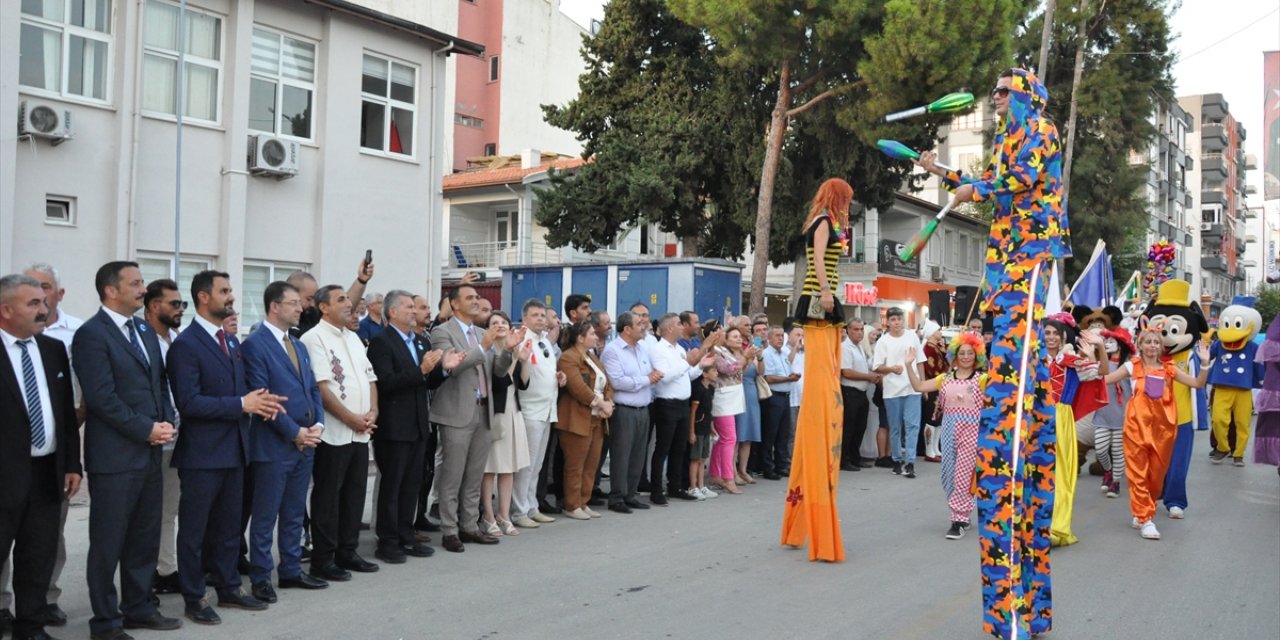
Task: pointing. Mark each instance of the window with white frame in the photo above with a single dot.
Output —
(155, 266)
(63, 47)
(257, 275)
(282, 85)
(202, 41)
(388, 108)
(60, 211)
(505, 229)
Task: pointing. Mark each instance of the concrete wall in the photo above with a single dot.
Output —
(540, 65)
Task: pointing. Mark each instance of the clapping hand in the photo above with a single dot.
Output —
(525, 353)
(514, 338)
(430, 360)
(263, 403)
(452, 359)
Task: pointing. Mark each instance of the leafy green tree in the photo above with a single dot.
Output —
(1268, 304)
(881, 56)
(1127, 66)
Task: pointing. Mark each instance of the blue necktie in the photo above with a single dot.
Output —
(35, 412)
(137, 344)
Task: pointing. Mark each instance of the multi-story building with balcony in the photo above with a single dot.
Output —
(1217, 181)
(1168, 193)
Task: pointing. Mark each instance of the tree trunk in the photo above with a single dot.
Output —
(764, 205)
(1046, 37)
(689, 246)
(1081, 44)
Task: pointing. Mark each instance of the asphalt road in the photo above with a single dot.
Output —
(715, 570)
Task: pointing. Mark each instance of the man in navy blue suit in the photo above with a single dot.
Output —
(282, 450)
(211, 390)
(122, 379)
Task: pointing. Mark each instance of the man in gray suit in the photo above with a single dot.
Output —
(462, 409)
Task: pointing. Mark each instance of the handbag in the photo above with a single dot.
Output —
(729, 401)
(762, 388)
(816, 312)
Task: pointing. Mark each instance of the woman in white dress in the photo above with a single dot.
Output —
(509, 451)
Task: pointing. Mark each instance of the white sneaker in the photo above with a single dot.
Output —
(1149, 531)
(538, 516)
(706, 491)
(1136, 524)
(1176, 513)
(697, 493)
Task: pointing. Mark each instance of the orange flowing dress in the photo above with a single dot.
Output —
(810, 510)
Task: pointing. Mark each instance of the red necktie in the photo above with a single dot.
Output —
(222, 342)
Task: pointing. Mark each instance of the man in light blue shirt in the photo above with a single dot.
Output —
(775, 455)
(632, 375)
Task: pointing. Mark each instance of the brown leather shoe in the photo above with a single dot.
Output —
(452, 543)
(478, 537)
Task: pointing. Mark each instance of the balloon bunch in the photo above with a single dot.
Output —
(1159, 266)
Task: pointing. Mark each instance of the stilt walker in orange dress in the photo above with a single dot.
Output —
(810, 509)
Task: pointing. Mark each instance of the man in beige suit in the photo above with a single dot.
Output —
(462, 409)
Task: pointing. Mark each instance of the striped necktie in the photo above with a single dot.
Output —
(35, 411)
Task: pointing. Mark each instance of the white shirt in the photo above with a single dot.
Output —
(212, 328)
(797, 389)
(64, 329)
(538, 402)
(891, 351)
(339, 362)
(677, 374)
(279, 336)
(122, 323)
(42, 386)
(852, 357)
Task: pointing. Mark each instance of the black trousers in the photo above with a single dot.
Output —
(428, 475)
(340, 478)
(856, 409)
(400, 464)
(124, 533)
(550, 477)
(30, 529)
(671, 418)
(775, 432)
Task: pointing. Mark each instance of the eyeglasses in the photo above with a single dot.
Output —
(178, 304)
(1000, 92)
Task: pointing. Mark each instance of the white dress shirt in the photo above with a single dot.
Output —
(64, 329)
(853, 357)
(677, 374)
(122, 323)
(42, 386)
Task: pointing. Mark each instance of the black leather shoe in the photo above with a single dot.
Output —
(390, 555)
(264, 592)
(620, 507)
(238, 600)
(682, 494)
(166, 584)
(453, 543)
(547, 507)
(354, 563)
(596, 502)
(114, 634)
(37, 635)
(331, 571)
(155, 622)
(202, 613)
(635, 504)
(658, 499)
(478, 537)
(303, 581)
(769, 475)
(6, 622)
(52, 616)
(424, 524)
(417, 550)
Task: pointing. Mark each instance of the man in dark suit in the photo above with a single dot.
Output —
(461, 406)
(406, 368)
(39, 447)
(123, 384)
(283, 449)
(211, 389)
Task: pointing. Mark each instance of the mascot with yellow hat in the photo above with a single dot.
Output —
(1182, 324)
(1234, 376)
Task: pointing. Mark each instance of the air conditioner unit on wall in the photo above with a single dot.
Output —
(272, 156)
(44, 120)
(935, 272)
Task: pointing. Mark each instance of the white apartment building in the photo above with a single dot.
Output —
(312, 130)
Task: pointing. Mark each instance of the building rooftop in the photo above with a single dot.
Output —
(502, 170)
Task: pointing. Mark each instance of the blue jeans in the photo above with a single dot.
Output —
(904, 427)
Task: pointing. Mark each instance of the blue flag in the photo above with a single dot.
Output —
(1095, 288)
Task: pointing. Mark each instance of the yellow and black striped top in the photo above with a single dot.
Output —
(831, 258)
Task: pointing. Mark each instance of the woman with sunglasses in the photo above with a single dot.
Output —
(1029, 232)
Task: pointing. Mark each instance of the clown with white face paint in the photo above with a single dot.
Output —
(1234, 376)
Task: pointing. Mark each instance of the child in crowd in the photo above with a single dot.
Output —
(704, 392)
(1108, 421)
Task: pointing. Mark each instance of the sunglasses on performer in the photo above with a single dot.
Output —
(1001, 92)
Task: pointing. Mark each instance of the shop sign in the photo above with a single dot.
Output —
(887, 261)
(855, 293)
